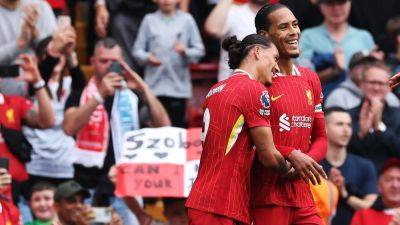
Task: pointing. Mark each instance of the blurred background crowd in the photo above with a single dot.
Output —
(66, 66)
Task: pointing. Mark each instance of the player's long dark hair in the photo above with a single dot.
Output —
(238, 50)
(262, 21)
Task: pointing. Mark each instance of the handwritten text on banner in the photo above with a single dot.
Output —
(157, 162)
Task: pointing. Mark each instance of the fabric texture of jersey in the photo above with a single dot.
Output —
(295, 104)
(223, 183)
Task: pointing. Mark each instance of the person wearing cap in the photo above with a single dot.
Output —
(69, 204)
(330, 45)
(354, 176)
(376, 124)
(348, 94)
(70, 207)
(386, 208)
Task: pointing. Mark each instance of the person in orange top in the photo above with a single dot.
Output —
(326, 197)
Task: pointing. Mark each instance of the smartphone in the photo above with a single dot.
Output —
(116, 68)
(63, 21)
(10, 71)
(102, 215)
(4, 163)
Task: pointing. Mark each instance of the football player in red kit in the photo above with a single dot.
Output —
(297, 123)
(236, 113)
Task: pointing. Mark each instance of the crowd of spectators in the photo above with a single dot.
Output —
(58, 124)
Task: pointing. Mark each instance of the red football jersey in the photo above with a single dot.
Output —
(295, 103)
(12, 110)
(223, 183)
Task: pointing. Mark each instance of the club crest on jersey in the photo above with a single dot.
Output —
(309, 97)
(10, 116)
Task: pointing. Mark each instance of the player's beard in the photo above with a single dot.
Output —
(294, 56)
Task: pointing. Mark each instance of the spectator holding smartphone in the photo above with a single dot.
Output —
(71, 209)
(16, 111)
(167, 55)
(53, 151)
(23, 24)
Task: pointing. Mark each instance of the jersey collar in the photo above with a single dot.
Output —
(295, 72)
(243, 71)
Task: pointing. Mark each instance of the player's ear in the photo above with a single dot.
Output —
(257, 52)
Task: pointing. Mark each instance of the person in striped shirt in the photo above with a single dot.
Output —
(298, 128)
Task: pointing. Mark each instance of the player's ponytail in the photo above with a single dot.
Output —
(238, 50)
(235, 50)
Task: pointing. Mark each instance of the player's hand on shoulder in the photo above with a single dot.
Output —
(307, 168)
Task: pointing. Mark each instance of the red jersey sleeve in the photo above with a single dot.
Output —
(318, 146)
(318, 95)
(255, 105)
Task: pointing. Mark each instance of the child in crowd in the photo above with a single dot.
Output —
(168, 41)
(42, 203)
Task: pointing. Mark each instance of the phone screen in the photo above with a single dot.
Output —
(115, 67)
(102, 214)
(9, 71)
(4, 163)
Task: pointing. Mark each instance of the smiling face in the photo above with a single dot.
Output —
(375, 83)
(42, 205)
(68, 208)
(285, 32)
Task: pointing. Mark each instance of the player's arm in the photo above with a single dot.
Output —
(268, 155)
(319, 145)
